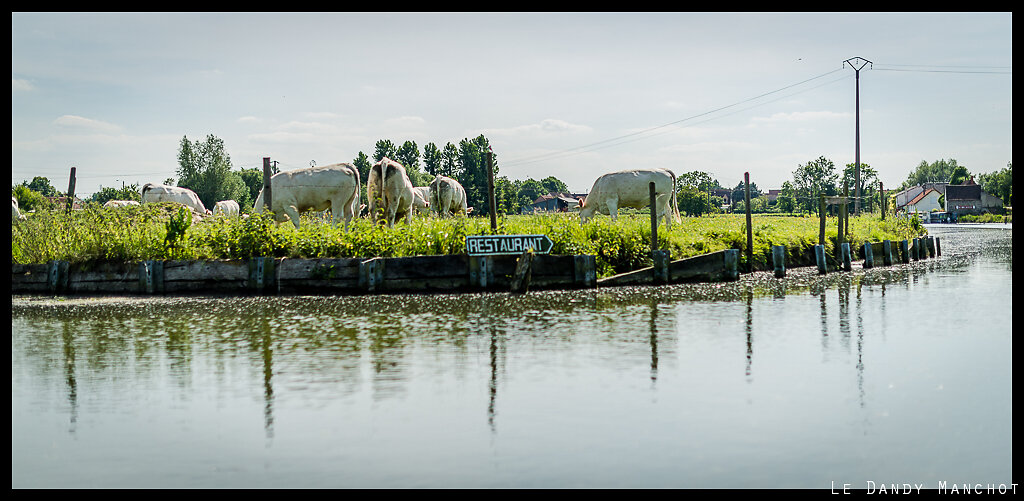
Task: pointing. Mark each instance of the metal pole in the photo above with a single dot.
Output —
(856, 69)
(266, 183)
(654, 219)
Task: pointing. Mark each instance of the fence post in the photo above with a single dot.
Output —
(886, 253)
(750, 232)
(490, 191)
(821, 222)
(869, 258)
(819, 257)
(71, 190)
(654, 218)
(266, 184)
(845, 249)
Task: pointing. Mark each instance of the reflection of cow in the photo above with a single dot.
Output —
(419, 201)
(388, 185)
(120, 203)
(447, 196)
(631, 188)
(318, 188)
(155, 193)
(227, 208)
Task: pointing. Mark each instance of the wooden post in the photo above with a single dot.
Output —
(881, 198)
(521, 277)
(821, 222)
(779, 260)
(266, 184)
(842, 215)
(938, 249)
(71, 190)
(904, 251)
(654, 219)
(845, 250)
(886, 253)
(869, 258)
(819, 257)
(750, 231)
(490, 191)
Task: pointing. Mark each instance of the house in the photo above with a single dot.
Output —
(557, 202)
(62, 202)
(968, 198)
(772, 195)
(904, 197)
(925, 201)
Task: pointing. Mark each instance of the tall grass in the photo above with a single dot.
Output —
(97, 234)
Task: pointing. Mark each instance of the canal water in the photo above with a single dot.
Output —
(870, 379)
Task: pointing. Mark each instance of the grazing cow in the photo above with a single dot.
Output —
(389, 186)
(120, 203)
(16, 214)
(154, 193)
(448, 196)
(227, 208)
(421, 195)
(630, 188)
(317, 188)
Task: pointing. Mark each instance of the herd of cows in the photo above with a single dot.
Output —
(392, 196)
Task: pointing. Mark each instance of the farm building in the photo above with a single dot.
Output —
(925, 201)
(969, 198)
(557, 202)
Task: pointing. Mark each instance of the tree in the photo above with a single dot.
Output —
(868, 183)
(29, 199)
(959, 175)
(552, 184)
(786, 201)
(938, 171)
(817, 177)
(432, 159)
(409, 156)
(130, 192)
(384, 148)
(42, 186)
(205, 168)
(253, 181)
(528, 191)
(999, 183)
(472, 173)
(450, 165)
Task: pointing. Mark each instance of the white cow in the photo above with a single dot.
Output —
(389, 186)
(447, 196)
(227, 208)
(120, 203)
(16, 214)
(317, 188)
(155, 193)
(420, 200)
(630, 188)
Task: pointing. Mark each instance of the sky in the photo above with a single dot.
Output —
(570, 95)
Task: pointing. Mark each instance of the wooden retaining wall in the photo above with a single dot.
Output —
(450, 273)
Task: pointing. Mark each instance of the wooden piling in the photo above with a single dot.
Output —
(71, 190)
(779, 260)
(266, 184)
(521, 277)
(819, 258)
(845, 251)
(886, 253)
(869, 259)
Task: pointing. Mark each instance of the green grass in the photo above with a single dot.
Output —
(97, 234)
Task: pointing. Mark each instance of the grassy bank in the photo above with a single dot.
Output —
(97, 234)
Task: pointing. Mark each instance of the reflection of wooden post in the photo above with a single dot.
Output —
(266, 183)
(750, 232)
(71, 190)
(521, 277)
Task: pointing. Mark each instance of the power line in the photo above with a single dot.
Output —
(620, 139)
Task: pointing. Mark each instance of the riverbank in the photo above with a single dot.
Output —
(98, 236)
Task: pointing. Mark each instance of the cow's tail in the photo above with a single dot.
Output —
(356, 197)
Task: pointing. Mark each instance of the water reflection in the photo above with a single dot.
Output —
(367, 358)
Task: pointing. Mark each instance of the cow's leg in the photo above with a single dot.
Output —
(613, 208)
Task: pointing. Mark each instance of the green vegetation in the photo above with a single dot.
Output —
(162, 231)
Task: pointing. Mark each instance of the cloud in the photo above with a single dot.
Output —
(800, 116)
(86, 124)
(548, 125)
(19, 85)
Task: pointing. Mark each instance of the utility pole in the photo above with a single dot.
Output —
(857, 64)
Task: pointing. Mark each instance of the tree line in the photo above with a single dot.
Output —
(205, 167)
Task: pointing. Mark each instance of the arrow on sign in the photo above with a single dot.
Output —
(493, 245)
